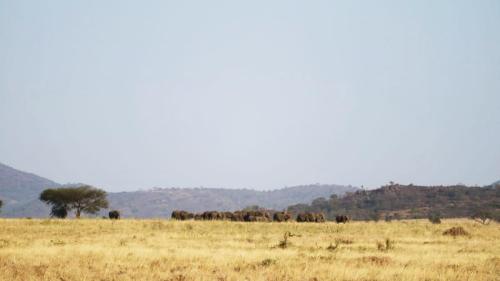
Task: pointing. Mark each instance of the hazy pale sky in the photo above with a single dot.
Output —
(259, 94)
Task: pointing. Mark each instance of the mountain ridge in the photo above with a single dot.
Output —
(18, 185)
(160, 202)
(19, 192)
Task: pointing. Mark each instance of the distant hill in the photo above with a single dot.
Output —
(408, 201)
(16, 186)
(19, 192)
(160, 202)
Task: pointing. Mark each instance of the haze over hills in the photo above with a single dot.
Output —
(17, 186)
(160, 202)
(20, 190)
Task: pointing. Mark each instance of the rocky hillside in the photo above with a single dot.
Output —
(408, 201)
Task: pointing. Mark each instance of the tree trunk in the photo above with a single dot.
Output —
(77, 213)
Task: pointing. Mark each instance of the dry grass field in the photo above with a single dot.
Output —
(98, 249)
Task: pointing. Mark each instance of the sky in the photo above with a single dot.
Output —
(128, 95)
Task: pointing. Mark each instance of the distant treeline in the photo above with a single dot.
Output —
(395, 201)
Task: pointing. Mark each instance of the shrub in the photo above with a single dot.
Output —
(267, 262)
(387, 245)
(381, 261)
(435, 217)
(482, 216)
(456, 231)
(283, 244)
(375, 215)
(344, 241)
(333, 247)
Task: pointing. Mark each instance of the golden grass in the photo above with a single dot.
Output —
(100, 249)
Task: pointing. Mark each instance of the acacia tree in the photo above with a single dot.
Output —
(86, 199)
(483, 216)
(1, 204)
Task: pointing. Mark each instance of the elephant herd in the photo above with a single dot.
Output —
(311, 217)
(231, 216)
(254, 216)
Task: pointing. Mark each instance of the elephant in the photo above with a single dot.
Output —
(114, 215)
(341, 219)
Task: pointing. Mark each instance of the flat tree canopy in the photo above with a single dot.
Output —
(87, 199)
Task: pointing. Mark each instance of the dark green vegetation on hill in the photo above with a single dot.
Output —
(407, 202)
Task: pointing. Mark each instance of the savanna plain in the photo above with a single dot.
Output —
(157, 249)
